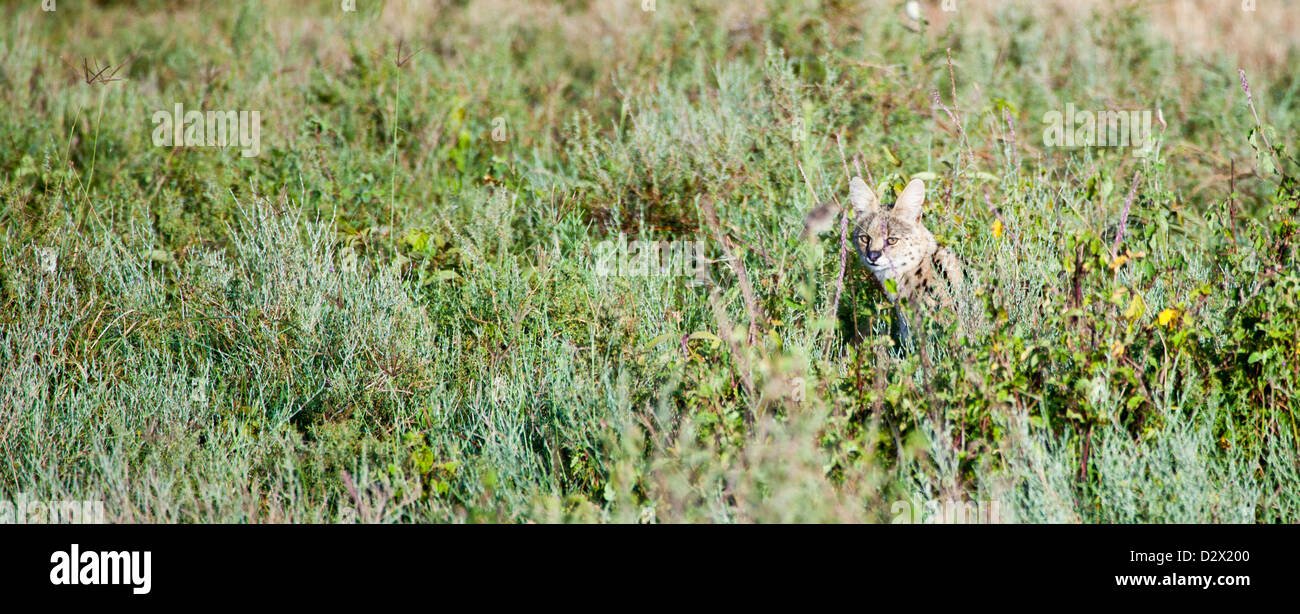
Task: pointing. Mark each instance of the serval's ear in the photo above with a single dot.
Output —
(863, 199)
(908, 205)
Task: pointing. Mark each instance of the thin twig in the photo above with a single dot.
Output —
(843, 161)
(737, 266)
(1250, 101)
(1123, 216)
(844, 251)
(808, 183)
(1015, 149)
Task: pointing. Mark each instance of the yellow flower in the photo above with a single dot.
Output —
(1118, 262)
(997, 228)
(1136, 307)
(1167, 316)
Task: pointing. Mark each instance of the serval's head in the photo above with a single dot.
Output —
(890, 240)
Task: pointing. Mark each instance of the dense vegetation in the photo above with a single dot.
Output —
(391, 313)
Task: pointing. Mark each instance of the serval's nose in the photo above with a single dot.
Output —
(872, 256)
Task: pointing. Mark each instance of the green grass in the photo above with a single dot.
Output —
(390, 316)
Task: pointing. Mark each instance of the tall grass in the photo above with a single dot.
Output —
(392, 316)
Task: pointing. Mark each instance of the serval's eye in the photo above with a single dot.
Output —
(891, 240)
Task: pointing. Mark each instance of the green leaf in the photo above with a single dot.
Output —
(704, 334)
(890, 156)
(659, 339)
(417, 239)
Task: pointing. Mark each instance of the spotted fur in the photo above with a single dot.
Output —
(894, 245)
